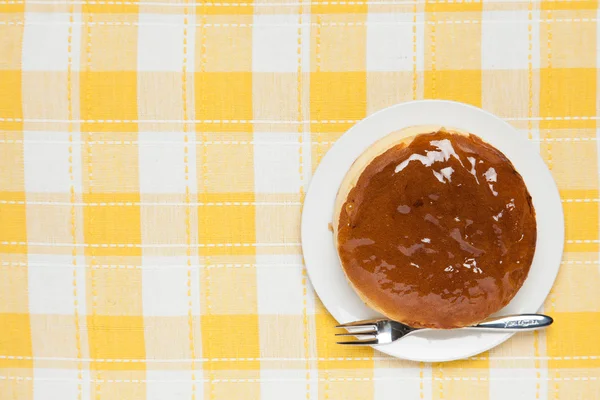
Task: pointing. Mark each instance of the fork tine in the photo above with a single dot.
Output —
(358, 335)
(363, 342)
(358, 324)
(360, 328)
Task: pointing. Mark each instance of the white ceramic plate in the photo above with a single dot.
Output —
(321, 259)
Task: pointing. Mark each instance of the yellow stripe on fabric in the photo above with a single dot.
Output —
(12, 7)
(567, 92)
(73, 213)
(566, 349)
(301, 156)
(338, 7)
(570, 5)
(110, 95)
(482, 362)
(111, 7)
(188, 211)
(235, 224)
(231, 337)
(15, 341)
(113, 230)
(452, 72)
(457, 85)
(13, 223)
(452, 6)
(337, 96)
(581, 219)
(116, 337)
(11, 102)
(229, 7)
(225, 96)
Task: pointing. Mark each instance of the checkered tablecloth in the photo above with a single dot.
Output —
(153, 160)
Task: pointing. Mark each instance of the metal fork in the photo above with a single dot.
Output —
(384, 331)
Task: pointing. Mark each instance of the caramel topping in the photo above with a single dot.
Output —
(439, 233)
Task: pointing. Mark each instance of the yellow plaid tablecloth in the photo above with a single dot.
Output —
(153, 160)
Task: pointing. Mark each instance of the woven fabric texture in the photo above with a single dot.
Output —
(154, 155)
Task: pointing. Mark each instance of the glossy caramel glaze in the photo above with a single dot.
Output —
(438, 233)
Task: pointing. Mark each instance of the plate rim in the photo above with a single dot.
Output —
(551, 188)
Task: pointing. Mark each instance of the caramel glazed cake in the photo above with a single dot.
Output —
(434, 229)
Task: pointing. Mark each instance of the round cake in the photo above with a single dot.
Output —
(434, 228)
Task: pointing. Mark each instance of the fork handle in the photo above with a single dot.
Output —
(520, 322)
